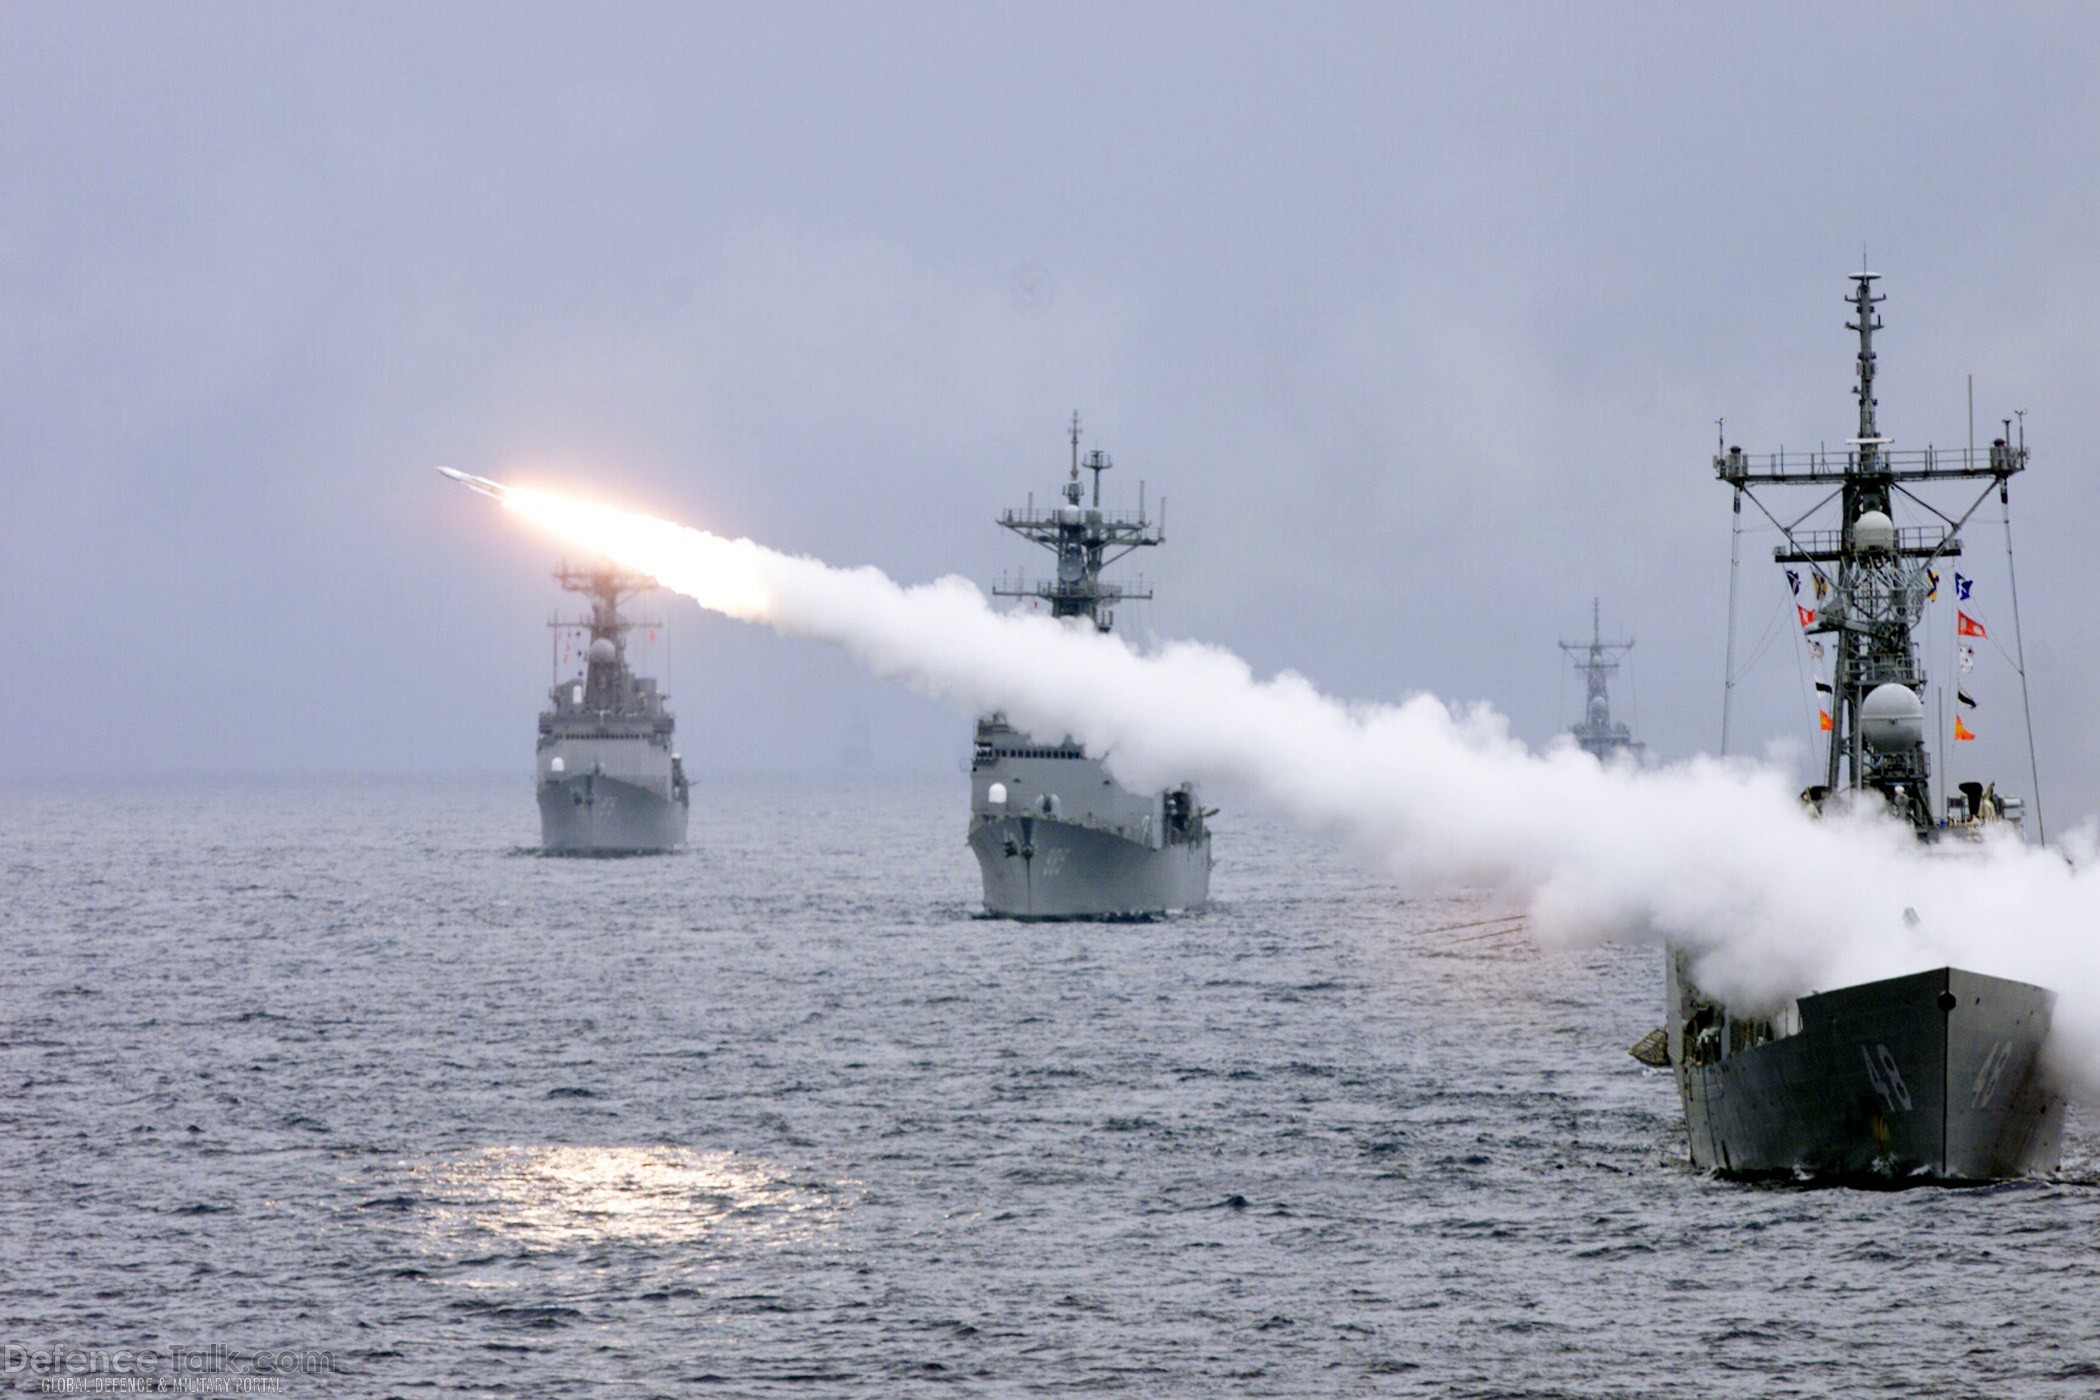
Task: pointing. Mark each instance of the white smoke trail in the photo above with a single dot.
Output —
(1716, 857)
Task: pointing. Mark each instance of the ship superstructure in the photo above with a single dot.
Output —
(1597, 661)
(610, 781)
(1055, 836)
(1932, 1076)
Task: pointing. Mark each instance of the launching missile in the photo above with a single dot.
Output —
(482, 484)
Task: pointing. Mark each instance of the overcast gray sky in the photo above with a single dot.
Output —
(1420, 317)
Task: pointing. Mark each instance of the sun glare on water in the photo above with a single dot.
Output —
(551, 1197)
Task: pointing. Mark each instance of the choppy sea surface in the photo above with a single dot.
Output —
(342, 1069)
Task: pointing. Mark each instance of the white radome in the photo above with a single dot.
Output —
(1892, 717)
(1874, 533)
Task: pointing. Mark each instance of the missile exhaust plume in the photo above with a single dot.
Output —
(1718, 857)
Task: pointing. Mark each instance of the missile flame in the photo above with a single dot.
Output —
(724, 576)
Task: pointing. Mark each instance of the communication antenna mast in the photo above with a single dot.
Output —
(1085, 539)
(1596, 661)
(1871, 578)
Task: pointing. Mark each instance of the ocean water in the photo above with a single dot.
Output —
(342, 1070)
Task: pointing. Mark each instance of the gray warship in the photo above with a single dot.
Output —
(609, 781)
(1056, 837)
(1932, 1077)
(1596, 661)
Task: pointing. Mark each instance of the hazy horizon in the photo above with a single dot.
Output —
(1420, 319)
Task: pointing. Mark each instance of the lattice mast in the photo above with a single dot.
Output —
(607, 586)
(1597, 661)
(1872, 580)
(1085, 539)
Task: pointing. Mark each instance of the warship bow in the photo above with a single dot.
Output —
(1055, 836)
(1934, 1076)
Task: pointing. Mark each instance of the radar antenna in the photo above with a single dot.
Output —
(1085, 539)
(1872, 579)
(607, 585)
